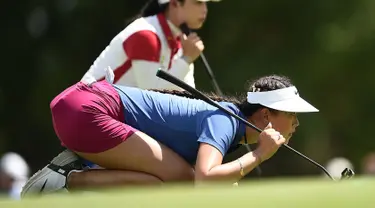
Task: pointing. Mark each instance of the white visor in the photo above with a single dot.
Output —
(166, 1)
(286, 99)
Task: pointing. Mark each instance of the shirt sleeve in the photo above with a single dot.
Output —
(143, 45)
(218, 130)
(143, 49)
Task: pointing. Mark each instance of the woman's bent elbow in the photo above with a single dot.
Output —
(201, 177)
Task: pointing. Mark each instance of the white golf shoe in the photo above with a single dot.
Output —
(52, 178)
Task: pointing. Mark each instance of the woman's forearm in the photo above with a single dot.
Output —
(231, 171)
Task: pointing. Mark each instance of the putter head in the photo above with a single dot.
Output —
(347, 173)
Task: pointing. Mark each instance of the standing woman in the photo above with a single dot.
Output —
(154, 41)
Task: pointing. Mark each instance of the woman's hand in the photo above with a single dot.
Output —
(192, 46)
(269, 142)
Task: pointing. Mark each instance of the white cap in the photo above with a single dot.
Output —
(285, 99)
(14, 166)
(166, 1)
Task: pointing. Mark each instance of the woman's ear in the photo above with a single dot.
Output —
(265, 113)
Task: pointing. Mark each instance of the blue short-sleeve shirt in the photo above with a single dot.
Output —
(181, 123)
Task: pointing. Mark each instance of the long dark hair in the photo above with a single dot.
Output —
(266, 83)
(152, 7)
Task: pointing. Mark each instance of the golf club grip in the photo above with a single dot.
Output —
(185, 29)
(166, 76)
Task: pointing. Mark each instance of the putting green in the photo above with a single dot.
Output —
(358, 192)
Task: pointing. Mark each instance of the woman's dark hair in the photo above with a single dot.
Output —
(152, 7)
(266, 83)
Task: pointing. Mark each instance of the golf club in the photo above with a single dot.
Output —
(347, 173)
(186, 30)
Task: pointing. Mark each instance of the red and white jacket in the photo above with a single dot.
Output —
(137, 52)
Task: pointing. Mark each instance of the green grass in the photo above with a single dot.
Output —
(358, 193)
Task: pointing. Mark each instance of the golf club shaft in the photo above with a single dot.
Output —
(166, 76)
(211, 74)
(185, 29)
